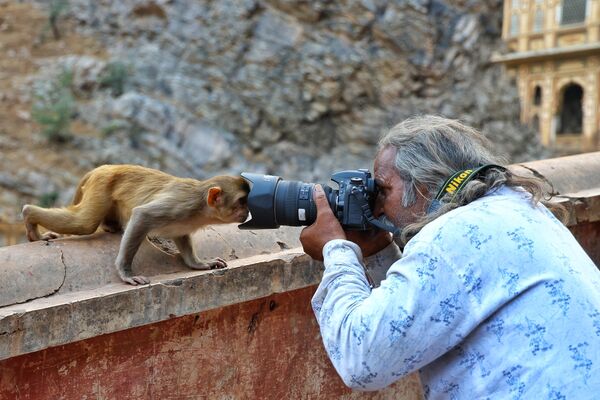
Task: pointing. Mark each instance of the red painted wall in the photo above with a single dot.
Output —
(588, 236)
(264, 349)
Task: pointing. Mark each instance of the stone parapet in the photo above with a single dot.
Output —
(62, 302)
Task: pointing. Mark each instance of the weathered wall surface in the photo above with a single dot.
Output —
(269, 348)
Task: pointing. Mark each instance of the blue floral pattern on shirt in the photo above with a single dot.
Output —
(493, 300)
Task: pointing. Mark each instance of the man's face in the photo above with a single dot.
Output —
(391, 190)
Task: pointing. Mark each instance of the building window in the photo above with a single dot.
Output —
(514, 4)
(537, 96)
(538, 20)
(572, 12)
(514, 25)
(571, 111)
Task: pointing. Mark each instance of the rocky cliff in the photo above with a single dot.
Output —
(288, 87)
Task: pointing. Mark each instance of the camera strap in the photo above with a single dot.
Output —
(456, 182)
(368, 214)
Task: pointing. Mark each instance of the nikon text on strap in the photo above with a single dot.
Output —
(456, 182)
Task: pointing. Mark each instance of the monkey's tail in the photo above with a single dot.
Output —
(79, 191)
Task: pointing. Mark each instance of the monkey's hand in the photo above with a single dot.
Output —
(135, 280)
(127, 276)
(215, 263)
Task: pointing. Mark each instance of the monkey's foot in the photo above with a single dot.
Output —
(216, 263)
(111, 228)
(50, 236)
(32, 233)
(136, 280)
(31, 229)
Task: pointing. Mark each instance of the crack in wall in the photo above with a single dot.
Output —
(62, 260)
(6, 333)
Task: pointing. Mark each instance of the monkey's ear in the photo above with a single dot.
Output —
(214, 196)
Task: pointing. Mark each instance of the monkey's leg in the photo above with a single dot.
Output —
(142, 220)
(74, 220)
(184, 244)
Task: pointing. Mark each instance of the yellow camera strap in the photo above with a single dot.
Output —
(457, 181)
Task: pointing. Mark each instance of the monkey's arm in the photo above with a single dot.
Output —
(143, 219)
(185, 247)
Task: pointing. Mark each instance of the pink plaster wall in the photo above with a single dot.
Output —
(264, 349)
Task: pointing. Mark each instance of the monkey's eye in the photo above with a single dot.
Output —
(243, 201)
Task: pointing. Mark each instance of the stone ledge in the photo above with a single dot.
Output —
(40, 269)
(68, 290)
(72, 316)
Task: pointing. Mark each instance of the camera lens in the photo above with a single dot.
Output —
(294, 204)
(273, 202)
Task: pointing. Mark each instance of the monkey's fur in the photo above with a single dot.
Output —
(144, 201)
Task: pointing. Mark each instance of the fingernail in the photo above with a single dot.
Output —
(318, 188)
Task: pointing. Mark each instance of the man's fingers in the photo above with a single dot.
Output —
(321, 200)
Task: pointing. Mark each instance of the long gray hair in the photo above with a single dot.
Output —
(429, 149)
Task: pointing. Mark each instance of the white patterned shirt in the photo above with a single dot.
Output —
(495, 299)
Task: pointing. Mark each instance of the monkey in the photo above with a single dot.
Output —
(142, 201)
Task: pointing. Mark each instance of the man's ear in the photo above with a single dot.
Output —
(214, 198)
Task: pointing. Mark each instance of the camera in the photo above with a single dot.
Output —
(273, 201)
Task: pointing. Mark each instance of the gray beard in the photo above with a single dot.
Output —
(387, 221)
(401, 226)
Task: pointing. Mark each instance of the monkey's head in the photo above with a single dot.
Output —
(228, 198)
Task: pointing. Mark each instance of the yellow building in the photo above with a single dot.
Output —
(554, 52)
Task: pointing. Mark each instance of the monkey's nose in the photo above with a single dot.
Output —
(244, 217)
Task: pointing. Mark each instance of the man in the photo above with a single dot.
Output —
(492, 297)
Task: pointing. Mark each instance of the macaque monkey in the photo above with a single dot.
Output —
(144, 201)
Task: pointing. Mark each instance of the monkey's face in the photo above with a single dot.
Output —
(232, 204)
(239, 209)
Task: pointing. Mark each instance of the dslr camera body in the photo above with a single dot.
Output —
(273, 201)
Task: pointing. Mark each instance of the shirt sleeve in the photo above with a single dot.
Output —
(378, 264)
(374, 337)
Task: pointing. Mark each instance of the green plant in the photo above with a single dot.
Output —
(132, 130)
(48, 199)
(53, 108)
(113, 127)
(115, 78)
(57, 7)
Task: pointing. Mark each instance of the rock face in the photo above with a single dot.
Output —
(294, 88)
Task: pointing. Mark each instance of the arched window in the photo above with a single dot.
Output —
(538, 20)
(571, 111)
(572, 11)
(514, 25)
(537, 96)
(514, 18)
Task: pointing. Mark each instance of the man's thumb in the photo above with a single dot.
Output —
(319, 197)
(318, 193)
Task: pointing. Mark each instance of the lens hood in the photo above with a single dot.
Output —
(261, 201)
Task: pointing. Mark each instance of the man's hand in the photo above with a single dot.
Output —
(325, 228)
